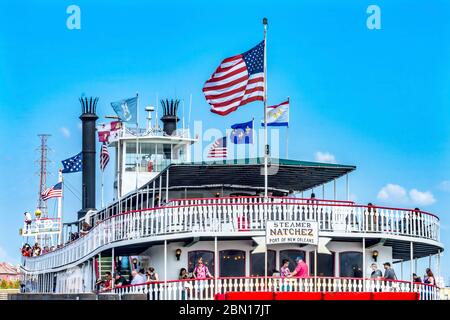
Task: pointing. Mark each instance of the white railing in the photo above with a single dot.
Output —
(243, 216)
(206, 289)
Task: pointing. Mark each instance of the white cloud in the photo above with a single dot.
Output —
(393, 193)
(325, 157)
(421, 198)
(396, 194)
(444, 186)
(65, 132)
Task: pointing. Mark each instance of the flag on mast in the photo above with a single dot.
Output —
(237, 81)
(73, 164)
(218, 149)
(52, 192)
(108, 132)
(242, 133)
(278, 115)
(126, 109)
(104, 157)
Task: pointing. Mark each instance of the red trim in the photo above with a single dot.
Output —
(237, 278)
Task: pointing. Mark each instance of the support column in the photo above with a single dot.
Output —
(112, 267)
(411, 256)
(315, 269)
(347, 187)
(401, 270)
(160, 190)
(364, 263)
(334, 189)
(216, 266)
(153, 198)
(167, 186)
(165, 269)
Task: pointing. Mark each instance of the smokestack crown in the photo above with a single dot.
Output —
(170, 119)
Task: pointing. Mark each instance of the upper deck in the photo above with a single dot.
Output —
(246, 217)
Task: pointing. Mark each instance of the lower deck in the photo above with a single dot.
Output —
(233, 267)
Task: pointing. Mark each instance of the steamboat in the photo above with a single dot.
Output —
(169, 211)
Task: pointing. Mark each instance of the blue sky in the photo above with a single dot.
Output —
(377, 99)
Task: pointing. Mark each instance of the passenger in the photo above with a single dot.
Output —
(429, 277)
(85, 227)
(108, 280)
(151, 274)
(389, 273)
(416, 278)
(284, 270)
(201, 271)
(137, 277)
(357, 271)
(119, 280)
(28, 221)
(376, 273)
(183, 274)
(301, 270)
(37, 250)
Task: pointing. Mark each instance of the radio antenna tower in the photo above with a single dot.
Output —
(43, 161)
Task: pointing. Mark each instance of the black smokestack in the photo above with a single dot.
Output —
(88, 119)
(170, 119)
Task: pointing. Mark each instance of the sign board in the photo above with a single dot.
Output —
(280, 232)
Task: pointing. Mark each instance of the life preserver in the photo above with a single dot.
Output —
(150, 166)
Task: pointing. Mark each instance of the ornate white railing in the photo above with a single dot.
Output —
(240, 215)
(206, 289)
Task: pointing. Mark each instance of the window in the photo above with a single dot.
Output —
(291, 255)
(257, 263)
(208, 260)
(232, 263)
(130, 157)
(325, 264)
(350, 264)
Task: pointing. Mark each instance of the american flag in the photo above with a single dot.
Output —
(218, 149)
(104, 157)
(53, 192)
(237, 81)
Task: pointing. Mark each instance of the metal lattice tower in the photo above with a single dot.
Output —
(43, 161)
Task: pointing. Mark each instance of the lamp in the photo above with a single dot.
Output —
(375, 255)
(178, 253)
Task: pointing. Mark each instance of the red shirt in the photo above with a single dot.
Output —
(301, 270)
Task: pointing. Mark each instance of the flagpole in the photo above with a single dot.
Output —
(266, 146)
(60, 179)
(102, 170)
(137, 140)
(287, 132)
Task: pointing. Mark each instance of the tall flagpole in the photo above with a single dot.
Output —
(102, 170)
(60, 217)
(137, 139)
(266, 146)
(287, 131)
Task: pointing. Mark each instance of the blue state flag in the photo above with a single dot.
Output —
(278, 116)
(126, 109)
(73, 164)
(242, 133)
